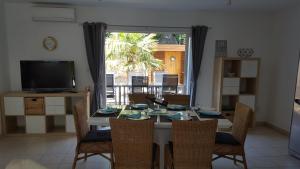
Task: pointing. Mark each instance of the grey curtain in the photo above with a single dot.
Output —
(198, 40)
(94, 35)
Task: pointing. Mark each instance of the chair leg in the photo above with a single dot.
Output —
(234, 159)
(244, 161)
(112, 161)
(85, 156)
(75, 160)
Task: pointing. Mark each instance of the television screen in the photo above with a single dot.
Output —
(47, 75)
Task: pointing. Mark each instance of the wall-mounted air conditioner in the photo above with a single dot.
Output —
(53, 14)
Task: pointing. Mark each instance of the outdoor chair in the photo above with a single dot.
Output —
(110, 89)
(170, 83)
(139, 84)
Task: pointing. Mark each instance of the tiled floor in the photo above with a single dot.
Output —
(265, 149)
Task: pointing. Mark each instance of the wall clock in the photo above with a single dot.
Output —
(50, 43)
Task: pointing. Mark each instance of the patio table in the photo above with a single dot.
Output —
(162, 127)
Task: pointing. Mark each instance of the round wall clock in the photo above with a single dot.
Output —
(50, 43)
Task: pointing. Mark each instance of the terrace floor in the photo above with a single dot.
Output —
(265, 149)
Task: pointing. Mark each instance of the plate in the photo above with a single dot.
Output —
(106, 111)
(139, 106)
(143, 117)
(176, 107)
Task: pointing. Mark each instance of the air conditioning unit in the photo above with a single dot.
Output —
(53, 14)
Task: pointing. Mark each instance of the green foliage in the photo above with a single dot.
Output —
(180, 38)
(132, 51)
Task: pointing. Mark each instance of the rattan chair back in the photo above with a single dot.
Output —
(193, 144)
(132, 143)
(241, 122)
(140, 98)
(80, 120)
(177, 99)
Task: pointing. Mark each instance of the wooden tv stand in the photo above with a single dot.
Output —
(40, 113)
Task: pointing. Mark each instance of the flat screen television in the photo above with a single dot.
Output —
(47, 76)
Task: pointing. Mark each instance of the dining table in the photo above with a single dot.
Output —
(162, 122)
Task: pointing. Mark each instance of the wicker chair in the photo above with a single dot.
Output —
(133, 144)
(233, 143)
(177, 99)
(192, 146)
(90, 143)
(140, 98)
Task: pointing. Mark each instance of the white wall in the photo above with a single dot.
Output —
(4, 78)
(286, 52)
(240, 29)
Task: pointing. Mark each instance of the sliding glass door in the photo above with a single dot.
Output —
(147, 62)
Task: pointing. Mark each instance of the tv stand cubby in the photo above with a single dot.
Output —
(40, 113)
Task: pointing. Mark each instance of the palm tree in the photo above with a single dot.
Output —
(127, 52)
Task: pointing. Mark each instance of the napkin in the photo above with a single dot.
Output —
(176, 107)
(139, 106)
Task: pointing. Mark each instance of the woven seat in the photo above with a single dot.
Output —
(233, 144)
(89, 143)
(177, 99)
(192, 145)
(133, 144)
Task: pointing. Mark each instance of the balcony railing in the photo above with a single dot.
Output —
(118, 94)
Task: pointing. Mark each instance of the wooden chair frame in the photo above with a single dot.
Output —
(242, 119)
(88, 149)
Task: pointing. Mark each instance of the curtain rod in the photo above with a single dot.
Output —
(139, 26)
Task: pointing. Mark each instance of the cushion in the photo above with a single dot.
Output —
(97, 136)
(225, 138)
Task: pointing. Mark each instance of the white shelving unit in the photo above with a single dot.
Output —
(40, 113)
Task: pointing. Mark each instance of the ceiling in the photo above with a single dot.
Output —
(182, 4)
